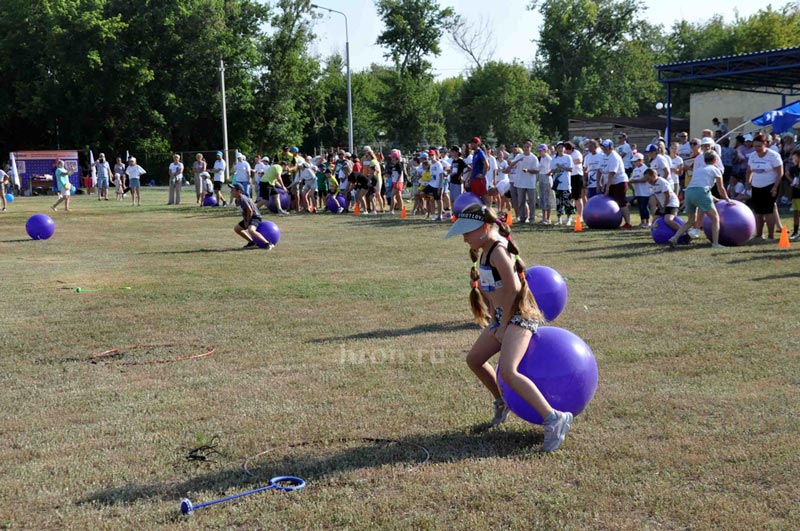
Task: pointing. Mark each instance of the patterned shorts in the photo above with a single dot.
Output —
(517, 319)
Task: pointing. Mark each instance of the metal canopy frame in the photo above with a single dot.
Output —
(768, 72)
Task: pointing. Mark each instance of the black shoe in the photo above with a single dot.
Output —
(249, 245)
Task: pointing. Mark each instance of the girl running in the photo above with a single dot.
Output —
(500, 296)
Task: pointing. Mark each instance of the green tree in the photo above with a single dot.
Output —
(328, 108)
(413, 30)
(287, 76)
(505, 97)
(597, 56)
(409, 103)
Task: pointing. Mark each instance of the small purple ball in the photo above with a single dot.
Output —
(548, 289)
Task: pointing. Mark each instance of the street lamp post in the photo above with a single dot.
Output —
(347, 61)
(224, 117)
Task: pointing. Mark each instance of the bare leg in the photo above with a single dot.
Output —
(713, 215)
(515, 343)
(759, 225)
(484, 348)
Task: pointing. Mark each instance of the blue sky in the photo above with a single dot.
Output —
(512, 25)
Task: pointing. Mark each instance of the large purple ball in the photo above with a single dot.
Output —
(335, 203)
(661, 232)
(210, 201)
(40, 226)
(602, 212)
(270, 231)
(737, 223)
(548, 289)
(464, 200)
(286, 201)
(563, 368)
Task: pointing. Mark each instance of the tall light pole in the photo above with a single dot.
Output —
(224, 117)
(347, 61)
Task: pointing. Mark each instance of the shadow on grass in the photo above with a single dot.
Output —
(318, 460)
(765, 254)
(201, 251)
(640, 247)
(778, 277)
(21, 240)
(397, 221)
(402, 332)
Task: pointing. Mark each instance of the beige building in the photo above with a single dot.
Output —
(731, 107)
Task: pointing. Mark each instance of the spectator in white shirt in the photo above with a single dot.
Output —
(220, 173)
(592, 166)
(528, 169)
(547, 198)
(175, 180)
(615, 180)
(625, 151)
(764, 173)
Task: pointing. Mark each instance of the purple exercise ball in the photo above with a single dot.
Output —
(210, 201)
(40, 226)
(335, 203)
(602, 212)
(564, 369)
(661, 232)
(464, 200)
(270, 231)
(737, 223)
(286, 201)
(548, 289)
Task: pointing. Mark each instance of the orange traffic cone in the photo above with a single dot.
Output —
(403, 214)
(578, 224)
(311, 207)
(357, 211)
(509, 219)
(784, 241)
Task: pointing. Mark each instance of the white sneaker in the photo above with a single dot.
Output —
(500, 412)
(340, 210)
(391, 212)
(555, 431)
(694, 233)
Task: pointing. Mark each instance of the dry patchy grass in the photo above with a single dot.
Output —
(355, 329)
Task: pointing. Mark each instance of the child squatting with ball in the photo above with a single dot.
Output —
(500, 296)
(251, 218)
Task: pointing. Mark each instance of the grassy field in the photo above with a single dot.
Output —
(355, 329)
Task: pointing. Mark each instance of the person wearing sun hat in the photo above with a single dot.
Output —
(501, 299)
